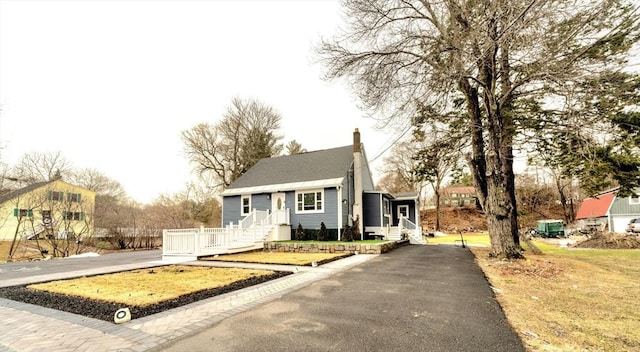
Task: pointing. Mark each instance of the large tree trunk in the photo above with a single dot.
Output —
(492, 169)
(502, 221)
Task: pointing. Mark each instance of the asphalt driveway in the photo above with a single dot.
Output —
(415, 298)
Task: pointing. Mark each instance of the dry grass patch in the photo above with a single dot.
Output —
(145, 287)
(570, 300)
(26, 251)
(287, 258)
(472, 239)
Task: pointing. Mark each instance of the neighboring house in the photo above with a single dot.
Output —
(459, 196)
(332, 186)
(46, 208)
(608, 210)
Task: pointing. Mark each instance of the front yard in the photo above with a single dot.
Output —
(567, 299)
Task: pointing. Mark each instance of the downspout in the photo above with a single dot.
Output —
(357, 179)
(340, 216)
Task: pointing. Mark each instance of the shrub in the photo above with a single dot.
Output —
(323, 234)
(312, 234)
(351, 233)
(347, 233)
(299, 235)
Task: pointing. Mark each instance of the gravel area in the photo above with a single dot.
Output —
(105, 310)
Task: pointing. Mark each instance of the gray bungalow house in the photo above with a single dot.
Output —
(331, 186)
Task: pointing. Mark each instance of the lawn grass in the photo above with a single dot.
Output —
(287, 258)
(145, 287)
(28, 250)
(24, 251)
(566, 299)
(476, 239)
(335, 242)
(569, 299)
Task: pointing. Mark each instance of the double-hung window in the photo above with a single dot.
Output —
(245, 202)
(55, 195)
(22, 213)
(310, 201)
(634, 199)
(73, 215)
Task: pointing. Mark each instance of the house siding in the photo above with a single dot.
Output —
(372, 209)
(367, 180)
(312, 220)
(621, 212)
(347, 194)
(231, 210)
(261, 201)
(621, 206)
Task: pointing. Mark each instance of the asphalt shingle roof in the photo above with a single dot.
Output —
(24, 190)
(310, 166)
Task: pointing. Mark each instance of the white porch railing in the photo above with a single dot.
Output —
(255, 217)
(248, 234)
(413, 231)
(279, 217)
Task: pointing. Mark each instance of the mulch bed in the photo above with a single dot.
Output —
(105, 310)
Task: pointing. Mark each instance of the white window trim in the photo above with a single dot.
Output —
(386, 207)
(242, 198)
(403, 206)
(314, 191)
(634, 200)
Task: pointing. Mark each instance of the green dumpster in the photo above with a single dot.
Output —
(550, 228)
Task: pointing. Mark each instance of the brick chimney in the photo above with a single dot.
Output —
(357, 180)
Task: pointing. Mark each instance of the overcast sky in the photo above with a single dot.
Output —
(111, 84)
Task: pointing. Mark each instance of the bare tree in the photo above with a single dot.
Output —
(38, 166)
(112, 203)
(435, 164)
(170, 212)
(246, 134)
(96, 181)
(398, 169)
(393, 182)
(485, 58)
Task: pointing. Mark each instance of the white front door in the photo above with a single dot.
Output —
(278, 208)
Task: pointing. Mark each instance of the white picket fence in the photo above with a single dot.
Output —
(248, 234)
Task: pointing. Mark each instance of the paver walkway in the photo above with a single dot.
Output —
(26, 327)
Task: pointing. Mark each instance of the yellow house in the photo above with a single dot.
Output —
(51, 209)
